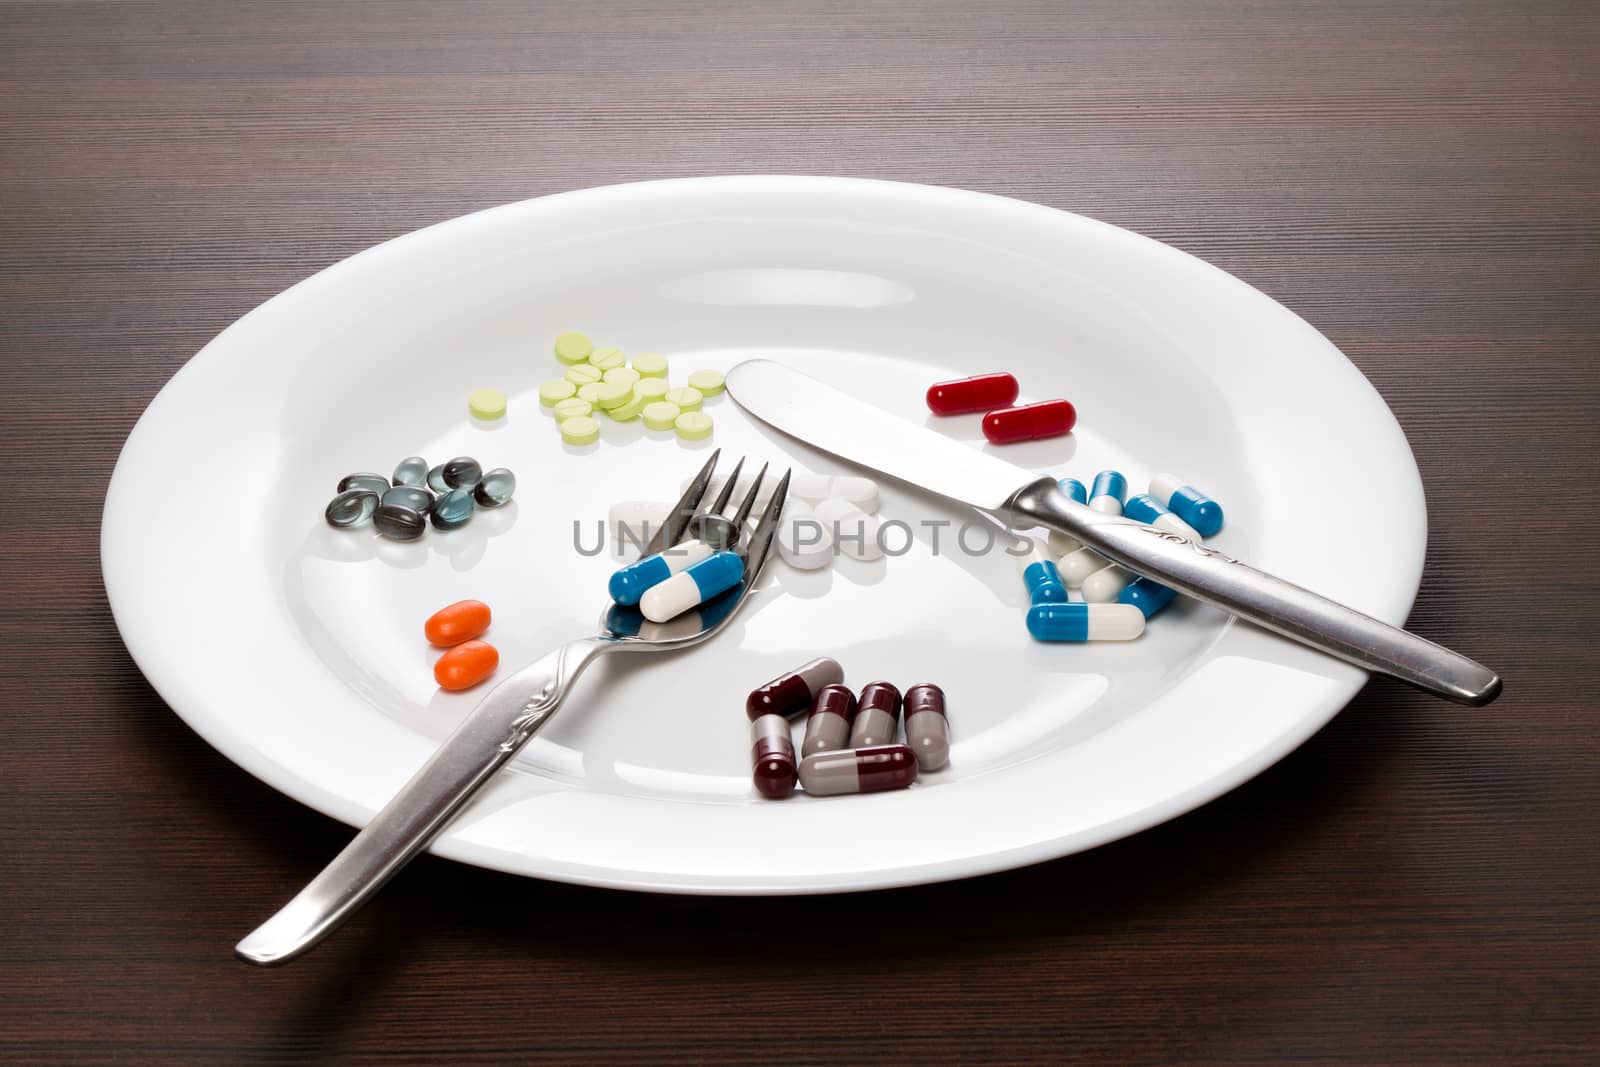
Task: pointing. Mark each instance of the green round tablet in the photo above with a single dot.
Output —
(651, 388)
(611, 395)
(573, 347)
(555, 390)
(693, 425)
(486, 404)
(590, 392)
(607, 358)
(686, 397)
(661, 414)
(580, 430)
(622, 376)
(650, 365)
(571, 408)
(708, 382)
(583, 374)
(629, 410)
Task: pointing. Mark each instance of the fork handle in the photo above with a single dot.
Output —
(1265, 600)
(500, 725)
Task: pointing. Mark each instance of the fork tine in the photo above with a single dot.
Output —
(721, 503)
(755, 550)
(677, 520)
(749, 500)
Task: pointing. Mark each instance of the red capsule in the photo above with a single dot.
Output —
(792, 693)
(927, 726)
(828, 725)
(861, 770)
(985, 392)
(772, 757)
(1048, 418)
(878, 716)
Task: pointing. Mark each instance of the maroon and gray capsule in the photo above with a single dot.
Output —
(927, 727)
(877, 717)
(772, 756)
(828, 726)
(858, 770)
(795, 692)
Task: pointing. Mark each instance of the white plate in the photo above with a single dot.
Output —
(297, 650)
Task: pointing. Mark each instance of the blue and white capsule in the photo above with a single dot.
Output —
(1085, 622)
(629, 584)
(1041, 577)
(1149, 597)
(1110, 490)
(1148, 509)
(1106, 584)
(1077, 565)
(1188, 503)
(1073, 488)
(692, 586)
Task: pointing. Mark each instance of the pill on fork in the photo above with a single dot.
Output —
(828, 725)
(1147, 509)
(877, 715)
(927, 726)
(1085, 622)
(1109, 491)
(795, 692)
(858, 770)
(629, 584)
(692, 586)
(1188, 503)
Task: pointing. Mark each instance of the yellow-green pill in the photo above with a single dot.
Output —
(661, 414)
(693, 425)
(583, 374)
(609, 395)
(571, 408)
(607, 358)
(629, 410)
(556, 390)
(580, 430)
(686, 397)
(709, 382)
(573, 347)
(651, 388)
(622, 376)
(590, 391)
(650, 365)
(486, 404)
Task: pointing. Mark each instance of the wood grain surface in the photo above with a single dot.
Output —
(1421, 181)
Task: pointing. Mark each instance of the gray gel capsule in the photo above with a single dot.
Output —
(463, 472)
(877, 717)
(413, 470)
(451, 510)
(398, 523)
(927, 727)
(495, 489)
(376, 483)
(351, 508)
(828, 725)
(409, 496)
(436, 480)
(858, 770)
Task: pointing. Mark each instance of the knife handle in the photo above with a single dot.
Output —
(489, 736)
(1280, 606)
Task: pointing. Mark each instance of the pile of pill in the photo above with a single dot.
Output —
(401, 508)
(602, 381)
(456, 628)
(1115, 602)
(1004, 422)
(822, 516)
(850, 745)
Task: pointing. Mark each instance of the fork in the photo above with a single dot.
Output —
(499, 726)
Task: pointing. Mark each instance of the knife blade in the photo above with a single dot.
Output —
(855, 431)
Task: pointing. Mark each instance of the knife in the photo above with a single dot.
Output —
(821, 416)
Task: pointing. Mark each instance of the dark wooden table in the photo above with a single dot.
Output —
(1421, 181)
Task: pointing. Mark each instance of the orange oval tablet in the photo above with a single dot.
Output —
(458, 622)
(466, 665)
